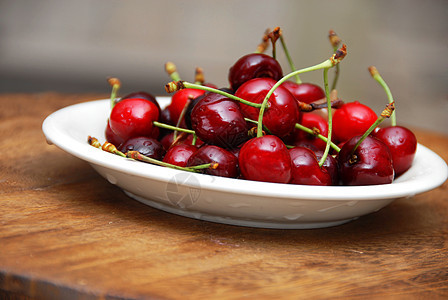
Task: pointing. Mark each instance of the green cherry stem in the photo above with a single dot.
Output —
(330, 119)
(171, 127)
(171, 69)
(318, 135)
(288, 57)
(386, 113)
(376, 75)
(140, 157)
(174, 86)
(329, 63)
(116, 84)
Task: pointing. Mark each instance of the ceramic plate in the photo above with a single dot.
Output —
(226, 200)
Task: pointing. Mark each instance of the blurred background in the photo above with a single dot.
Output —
(73, 46)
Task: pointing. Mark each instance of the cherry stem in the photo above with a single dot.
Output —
(116, 84)
(171, 127)
(171, 69)
(140, 157)
(318, 135)
(288, 57)
(256, 122)
(182, 115)
(330, 119)
(329, 63)
(386, 113)
(261, 48)
(376, 75)
(178, 85)
(274, 35)
(335, 41)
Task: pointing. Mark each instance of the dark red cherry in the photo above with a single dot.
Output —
(306, 169)
(227, 162)
(218, 120)
(352, 119)
(167, 140)
(314, 122)
(180, 99)
(143, 95)
(282, 111)
(180, 154)
(371, 162)
(254, 65)
(147, 146)
(265, 158)
(111, 137)
(133, 117)
(305, 92)
(402, 144)
(331, 165)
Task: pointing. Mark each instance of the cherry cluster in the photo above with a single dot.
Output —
(265, 126)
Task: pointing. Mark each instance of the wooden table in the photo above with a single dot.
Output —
(66, 233)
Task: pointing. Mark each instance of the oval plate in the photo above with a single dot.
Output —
(226, 200)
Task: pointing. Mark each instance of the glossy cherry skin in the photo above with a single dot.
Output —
(402, 144)
(147, 146)
(227, 162)
(254, 65)
(282, 111)
(311, 121)
(113, 138)
(167, 140)
(133, 117)
(372, 163)
(305, 92)
(218, 120)
(143, 95)
(352, 119)
(180, 154)
(265, 158)
(331, 165)
(306, 169)
(180, 99)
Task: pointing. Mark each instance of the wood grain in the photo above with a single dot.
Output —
(66, 233)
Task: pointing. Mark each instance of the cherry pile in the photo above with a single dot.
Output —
(265, 126)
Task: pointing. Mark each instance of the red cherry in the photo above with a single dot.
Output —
(180, 154)
(265, 158)
(254, 65)
(305, 92)
(143, 95)
(179, 100)
(167, 140)
(306, 169)
(371, 162)
(227, 162)
(218, 120)
(311, 121)
(282, 112)
(352, 119)
(111, 137)
(402, 144)
(133, 117)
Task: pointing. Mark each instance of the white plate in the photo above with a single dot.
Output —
(226, 200)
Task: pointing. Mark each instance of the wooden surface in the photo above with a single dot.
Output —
(66, 233)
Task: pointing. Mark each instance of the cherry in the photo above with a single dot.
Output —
(143, 95)
(179, 100)
(315, 122)
(254, 65)
(370, 163)
(133, 117)
(147, 146)
(111, 137)
(168, 140)
(218, 120)
(402, 144)
(306, 169)
(352, 119)
(282, 112)
(331, 165)
(265, 158)
(227, 162)
(180, 154)
(305, 92)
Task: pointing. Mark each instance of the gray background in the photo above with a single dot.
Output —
(72, 46)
